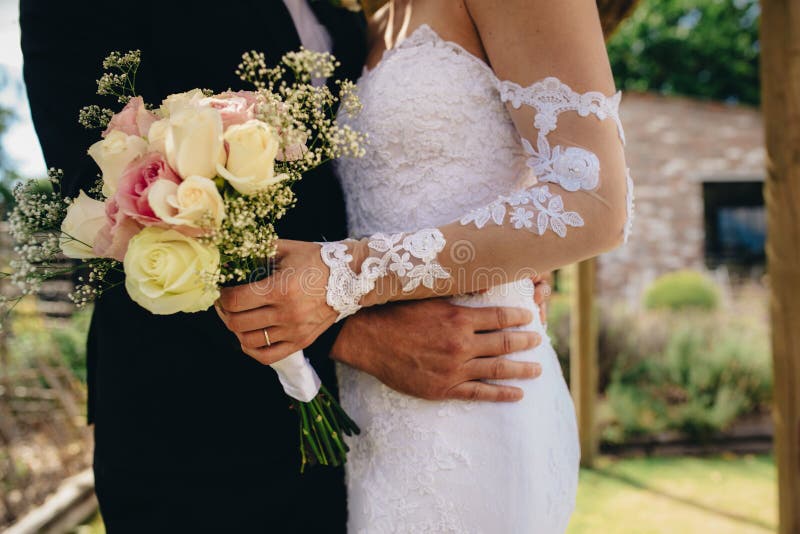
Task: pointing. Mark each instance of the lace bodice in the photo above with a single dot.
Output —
(425, 143)
(444, 147)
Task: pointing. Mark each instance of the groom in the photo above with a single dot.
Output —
(191, 435)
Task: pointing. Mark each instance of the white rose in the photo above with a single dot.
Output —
(113, 154)
(179, 101)
(252, 148)
(85, 217)
(157, 136)
(167, 272)
(193, 143)
(195, 202)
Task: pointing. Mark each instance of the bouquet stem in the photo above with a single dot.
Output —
(322, 426)
(323, 423)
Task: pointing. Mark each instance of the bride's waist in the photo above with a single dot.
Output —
(517, 294)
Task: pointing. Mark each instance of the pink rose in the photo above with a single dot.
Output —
(112, 239)
(129, 211)
(134, 119)
(235, 108)
(135, 183)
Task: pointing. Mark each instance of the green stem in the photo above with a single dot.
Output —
(350, 426)
(336, 431)
(323, 459)
(322, 431)
(306, 431)
(333, 433)
(303, 458)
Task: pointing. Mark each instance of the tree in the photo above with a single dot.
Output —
(613, 12)
(7, 174)
(704, 48)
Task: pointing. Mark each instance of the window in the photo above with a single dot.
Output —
(735, 223)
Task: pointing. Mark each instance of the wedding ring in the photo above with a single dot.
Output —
(266, 337)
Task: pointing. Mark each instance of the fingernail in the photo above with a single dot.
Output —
(537, 340)
(537, 370)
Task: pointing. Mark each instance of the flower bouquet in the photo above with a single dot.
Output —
(187, 201)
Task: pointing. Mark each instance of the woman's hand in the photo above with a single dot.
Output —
(285, 312)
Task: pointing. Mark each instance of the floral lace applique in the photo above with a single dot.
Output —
(411, 257)
(551, 97)
(538, 202)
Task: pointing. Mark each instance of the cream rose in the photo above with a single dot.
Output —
(252, 148)
(193, 142)
(157, 136)
(113, 154)
(85, 217)
(180, 101)
(195, 203)
(167, 272)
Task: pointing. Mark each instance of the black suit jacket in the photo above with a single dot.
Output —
(191, 435)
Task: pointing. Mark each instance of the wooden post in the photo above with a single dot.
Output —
(780, 95)
(583, 357)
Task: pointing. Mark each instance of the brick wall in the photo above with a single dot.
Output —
(674, 145)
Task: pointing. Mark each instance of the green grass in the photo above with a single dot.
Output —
(727, 494)
(722, 495)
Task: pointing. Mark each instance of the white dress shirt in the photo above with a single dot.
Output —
(313, 35)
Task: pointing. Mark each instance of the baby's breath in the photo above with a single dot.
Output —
(248, 232)
(307, 64)
(125, 62)
(303, 114)
(348, 94)
(253, 69)
(35, 226)
(119, 78)
(94, 116)
(95, 280)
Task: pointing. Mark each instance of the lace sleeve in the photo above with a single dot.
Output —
(573, 168)
(580, 206)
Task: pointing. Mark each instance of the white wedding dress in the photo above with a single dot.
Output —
(437, 129)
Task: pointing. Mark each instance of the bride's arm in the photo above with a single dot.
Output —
(560, 95)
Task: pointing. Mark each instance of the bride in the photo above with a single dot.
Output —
(495, 152)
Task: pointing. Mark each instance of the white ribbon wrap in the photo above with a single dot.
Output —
(298, 377)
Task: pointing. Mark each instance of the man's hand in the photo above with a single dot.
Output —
(542, 292)
(436, 350)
